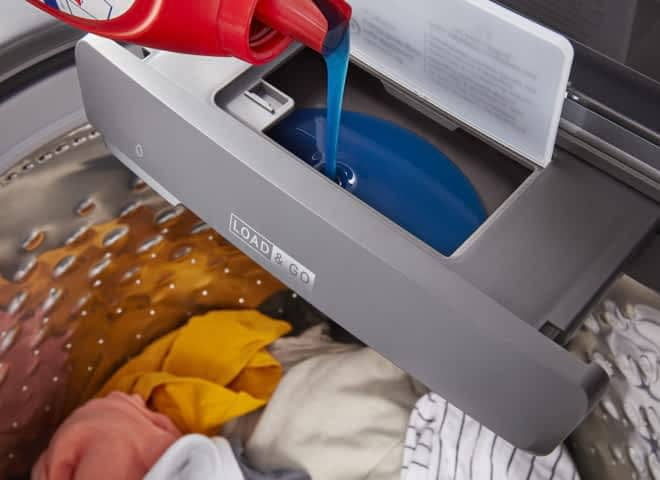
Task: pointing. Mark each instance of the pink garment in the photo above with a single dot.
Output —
(107, 438)
(33, 371)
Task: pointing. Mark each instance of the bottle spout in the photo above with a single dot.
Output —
(318, 24)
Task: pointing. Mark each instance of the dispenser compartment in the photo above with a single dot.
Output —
(493, 175)
(515, 255)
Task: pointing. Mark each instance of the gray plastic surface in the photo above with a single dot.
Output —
(39, 113)
(28, 36)
(629, 157)
(261, 105)
(645, 268)
(49, 106)
(562, 239)
(423, 311)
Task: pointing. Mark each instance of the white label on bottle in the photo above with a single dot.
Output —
(92, 9)
(484, 65)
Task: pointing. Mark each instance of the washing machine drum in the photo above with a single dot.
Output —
(94, 265)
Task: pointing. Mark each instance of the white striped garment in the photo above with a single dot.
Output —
(443, 443)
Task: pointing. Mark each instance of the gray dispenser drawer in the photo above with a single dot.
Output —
(467, 325)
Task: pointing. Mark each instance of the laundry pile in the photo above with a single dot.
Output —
(191, 405)
(155, 349)
(228, 397)
(160, 414)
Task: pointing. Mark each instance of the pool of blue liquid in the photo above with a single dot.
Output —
(394, 171)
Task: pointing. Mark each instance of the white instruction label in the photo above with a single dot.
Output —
(299, 277)
(91, 9)
(486, 66)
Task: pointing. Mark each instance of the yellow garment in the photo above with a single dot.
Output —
(213, 369)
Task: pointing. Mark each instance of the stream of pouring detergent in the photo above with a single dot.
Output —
(337, 66)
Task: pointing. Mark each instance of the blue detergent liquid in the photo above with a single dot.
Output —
(337, 67)
(391, 169)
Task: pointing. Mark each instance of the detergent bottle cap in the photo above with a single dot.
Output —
(253, 30)
(319, 24)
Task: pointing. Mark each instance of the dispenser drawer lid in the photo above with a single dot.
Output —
(616, 53)
(485, 66)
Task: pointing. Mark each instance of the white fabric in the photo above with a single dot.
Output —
(443, 443)
(337, 416)
(290, 351)
(196, 457)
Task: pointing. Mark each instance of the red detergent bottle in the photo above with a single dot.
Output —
(253, 30)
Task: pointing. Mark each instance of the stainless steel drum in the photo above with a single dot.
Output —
(93, 264)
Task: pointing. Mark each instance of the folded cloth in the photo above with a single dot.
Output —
(290, 351)
(107, 438)
(444, 443)
(213, 369)
(196, 457)
(251, 473)
(336, 416)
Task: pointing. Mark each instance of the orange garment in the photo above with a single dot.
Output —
(208, 372)
(107, 438)
(100, 300)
